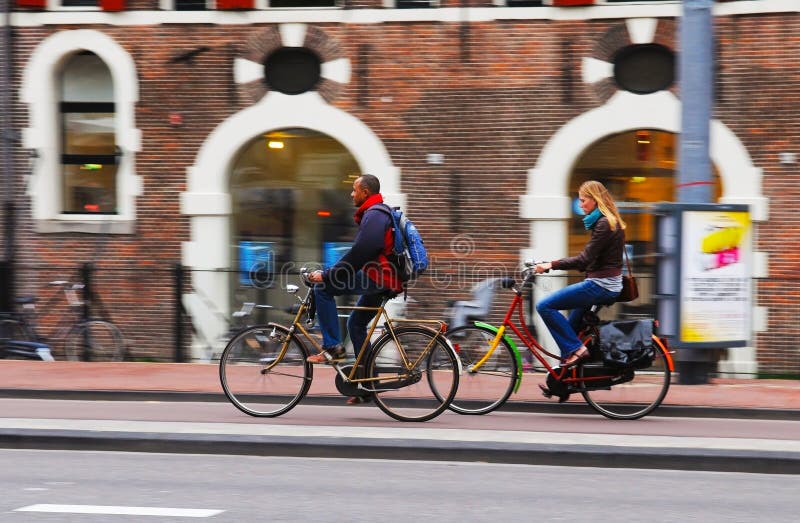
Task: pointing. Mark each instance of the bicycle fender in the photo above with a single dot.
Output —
(514, 349)
(663, 344)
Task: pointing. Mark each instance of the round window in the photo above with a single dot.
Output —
(292, 70)
(644, 68)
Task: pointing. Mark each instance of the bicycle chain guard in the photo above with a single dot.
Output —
(348, 388)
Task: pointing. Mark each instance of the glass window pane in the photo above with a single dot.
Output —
(79, 3)
(90, 188)
(291, 208)
(190, 5)
(89, 133)
(302, 3)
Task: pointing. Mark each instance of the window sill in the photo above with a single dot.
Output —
(89, 225)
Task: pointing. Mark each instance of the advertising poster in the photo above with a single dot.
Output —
(716, 299)
(333, 251)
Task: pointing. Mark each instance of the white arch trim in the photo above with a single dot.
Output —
(39, 91)
(208, 202)
(548, 205)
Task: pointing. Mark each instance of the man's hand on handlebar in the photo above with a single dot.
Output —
(314, 276)
(543, 267)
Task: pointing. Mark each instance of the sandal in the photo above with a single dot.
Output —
(358, 400)
(579, 356)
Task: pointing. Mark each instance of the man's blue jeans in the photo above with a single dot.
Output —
(577, 298)
(371, 296)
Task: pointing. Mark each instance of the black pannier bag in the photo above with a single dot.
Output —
(627, 343)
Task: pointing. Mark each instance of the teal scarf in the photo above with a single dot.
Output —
(590, 219)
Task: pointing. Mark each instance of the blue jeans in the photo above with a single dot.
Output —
(371, 296)
(578, 298)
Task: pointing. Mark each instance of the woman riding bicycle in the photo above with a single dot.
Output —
(601, 260)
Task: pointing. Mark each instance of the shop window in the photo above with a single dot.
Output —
(88, 149)
(291, 208)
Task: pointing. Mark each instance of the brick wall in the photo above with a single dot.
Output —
(485, 95)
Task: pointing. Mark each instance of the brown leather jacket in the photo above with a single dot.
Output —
(602, 256)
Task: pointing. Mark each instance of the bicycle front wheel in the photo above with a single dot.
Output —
(639, 395)
(415, 373)
(489, 386)
(263, 370)
(94, 340)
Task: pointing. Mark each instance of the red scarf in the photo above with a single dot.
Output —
(369, 202)
(383, 272)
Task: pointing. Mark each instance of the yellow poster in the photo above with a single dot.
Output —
(715, 276)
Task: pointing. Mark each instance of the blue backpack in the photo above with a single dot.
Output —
(409, 254)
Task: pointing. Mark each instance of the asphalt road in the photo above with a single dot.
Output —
(83, 487)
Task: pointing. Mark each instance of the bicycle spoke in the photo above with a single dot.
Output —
(417, 377)
(487, 387)
(638, 393)
(263, 371)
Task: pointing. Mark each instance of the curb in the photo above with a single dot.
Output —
(719, 460)
(550, 407)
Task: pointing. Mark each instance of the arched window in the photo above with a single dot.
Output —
(81, 89)
(88, 146)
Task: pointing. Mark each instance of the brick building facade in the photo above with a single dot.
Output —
(474, 114)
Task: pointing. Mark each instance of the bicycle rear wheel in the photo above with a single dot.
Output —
(417, 374)
(490, 386)
(263, 370)
(94, 340)
(635, 398)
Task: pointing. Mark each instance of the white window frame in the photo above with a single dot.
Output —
(40, 91)
(259, 5)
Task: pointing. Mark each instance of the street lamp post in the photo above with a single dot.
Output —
(695, 182)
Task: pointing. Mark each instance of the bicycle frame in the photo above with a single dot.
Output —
(536, 348)
(389, 324)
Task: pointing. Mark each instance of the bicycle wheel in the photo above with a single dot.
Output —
(94, 340)
(636, 397)
(417, 374)
(489, 387)
(263, 370)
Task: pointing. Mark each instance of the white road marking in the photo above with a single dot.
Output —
(117, 510)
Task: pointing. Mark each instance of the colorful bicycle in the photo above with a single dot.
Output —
(617, 389)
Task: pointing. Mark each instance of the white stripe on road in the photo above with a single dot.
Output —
(126, 511)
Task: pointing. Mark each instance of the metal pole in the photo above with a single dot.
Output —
(695, 183)
(178, 287)
(6, 139)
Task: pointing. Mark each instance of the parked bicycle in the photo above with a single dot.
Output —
(493, 366)
(83, 338)
(411, 370)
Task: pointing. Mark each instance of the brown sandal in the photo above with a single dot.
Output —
(584, 355)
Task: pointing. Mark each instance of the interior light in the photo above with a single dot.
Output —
(91, 167)
(91, 207)
(638, 179)
(275, 144)
(324, 214)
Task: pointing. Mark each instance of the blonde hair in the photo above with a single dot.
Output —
(598, 192)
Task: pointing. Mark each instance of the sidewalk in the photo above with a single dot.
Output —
(22, 378)
(528, 430)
